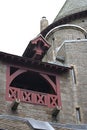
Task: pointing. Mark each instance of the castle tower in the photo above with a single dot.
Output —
(67, 36)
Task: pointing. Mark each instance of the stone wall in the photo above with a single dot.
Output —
(77, 56)
(73, 84)
(37, 112)
(58, 36)
(24, 109)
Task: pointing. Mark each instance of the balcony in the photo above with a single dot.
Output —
(32, 97)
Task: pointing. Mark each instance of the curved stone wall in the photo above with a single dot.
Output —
(59, 34)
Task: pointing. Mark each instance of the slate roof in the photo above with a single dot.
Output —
(71, 7)
(9, 122)
(6, 124)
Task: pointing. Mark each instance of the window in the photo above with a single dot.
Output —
(78, 38)
(74, 75)
(83, 20)
(78, 114)
(32, 81)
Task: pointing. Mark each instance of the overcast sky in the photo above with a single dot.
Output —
(20, 21)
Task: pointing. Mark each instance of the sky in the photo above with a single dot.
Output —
(20, 22)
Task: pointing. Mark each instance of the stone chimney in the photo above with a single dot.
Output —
(43, 23)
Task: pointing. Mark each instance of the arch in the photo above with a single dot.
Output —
(66, 26)
(15, 74)
(50, 81)
(34, 81)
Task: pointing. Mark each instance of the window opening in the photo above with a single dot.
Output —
(73, 75)
(32, 81)
(83, 20)
(78, 38)
(78, 114)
